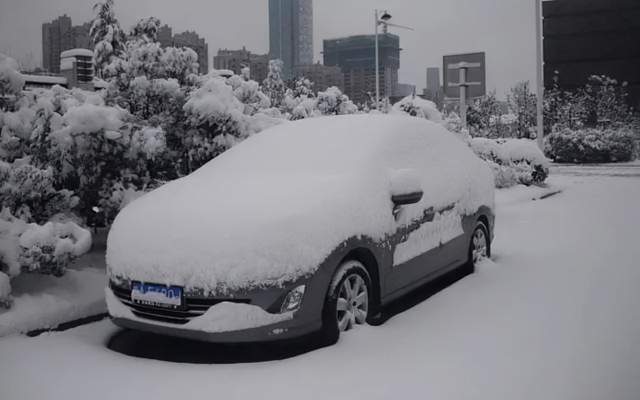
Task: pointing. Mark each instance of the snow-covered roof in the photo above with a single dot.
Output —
(45, 79)
(67, 63)
(76, 53)
(272, 208)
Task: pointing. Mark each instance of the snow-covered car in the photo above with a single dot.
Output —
(308, 226)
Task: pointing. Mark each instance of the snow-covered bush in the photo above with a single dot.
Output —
(49, 248)
(248, 93)
(513, 161)
(333, 102)
(601, 103)
(590, 145)
(33, 248)
(418, 107)
(29, 192)
(299, 102)
(121, 195)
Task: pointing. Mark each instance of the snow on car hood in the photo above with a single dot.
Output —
(271, 209)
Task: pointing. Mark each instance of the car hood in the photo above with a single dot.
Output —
(239, 231)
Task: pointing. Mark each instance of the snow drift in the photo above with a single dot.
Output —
(273, 208)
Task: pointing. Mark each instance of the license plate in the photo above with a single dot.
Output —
(151, 294)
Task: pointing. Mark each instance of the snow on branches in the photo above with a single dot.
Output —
(11, 81)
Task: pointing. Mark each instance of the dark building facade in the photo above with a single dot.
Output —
(291, 33)
(355, 55)
(236, 60)
(322, 76)
(592, 37)
(60, 35)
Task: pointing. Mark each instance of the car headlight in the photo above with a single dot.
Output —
(293, 299)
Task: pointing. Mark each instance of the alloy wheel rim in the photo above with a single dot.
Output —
(479, 245)
(352, 303)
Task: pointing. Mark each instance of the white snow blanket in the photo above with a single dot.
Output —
(274, 207)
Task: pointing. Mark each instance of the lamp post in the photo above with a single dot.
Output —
(384, 21)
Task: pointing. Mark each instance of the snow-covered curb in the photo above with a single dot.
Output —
(523, 194)
(44, 302)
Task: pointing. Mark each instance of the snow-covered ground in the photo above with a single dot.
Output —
(555, 315)
(44, 301)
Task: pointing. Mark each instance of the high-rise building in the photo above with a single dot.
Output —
(322, 76)
(193, 41)
(433, 80)
(355, 55)
(236, 60)
(55, 37)
(433, 91)
(59, 35)
(595, 37)
(291, 33)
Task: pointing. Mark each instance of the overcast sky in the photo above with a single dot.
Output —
(504, 29)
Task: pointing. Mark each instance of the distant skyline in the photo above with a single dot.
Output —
(504, 29)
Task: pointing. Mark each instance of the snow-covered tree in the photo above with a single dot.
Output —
(107, 37)
(303, 87)
(273, 86)
(146, 30)
(11, 81)
(605, 103)
(483, 117)
(214, 121)
(522, 104)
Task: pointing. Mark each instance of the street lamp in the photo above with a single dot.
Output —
(384, 21)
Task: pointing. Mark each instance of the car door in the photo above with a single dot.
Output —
(425, 246)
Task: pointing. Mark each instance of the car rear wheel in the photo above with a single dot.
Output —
(479, 246)
(348, 299)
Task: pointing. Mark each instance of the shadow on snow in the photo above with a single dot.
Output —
(165, 348)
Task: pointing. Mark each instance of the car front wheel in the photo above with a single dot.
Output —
(348, 297)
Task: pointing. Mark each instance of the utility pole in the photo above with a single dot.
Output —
(384, 21)
(462, 83)
(377, 61)
(539, 76)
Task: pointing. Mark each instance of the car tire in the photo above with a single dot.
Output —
(479, 237)
(344, 308)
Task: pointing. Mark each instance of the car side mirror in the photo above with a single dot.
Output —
(406, 188)
(407, 198)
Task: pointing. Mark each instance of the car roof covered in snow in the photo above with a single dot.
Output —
(339, 144)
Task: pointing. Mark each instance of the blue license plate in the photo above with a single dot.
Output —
(152, 294)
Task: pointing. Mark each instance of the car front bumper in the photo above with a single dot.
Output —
(227, 322)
